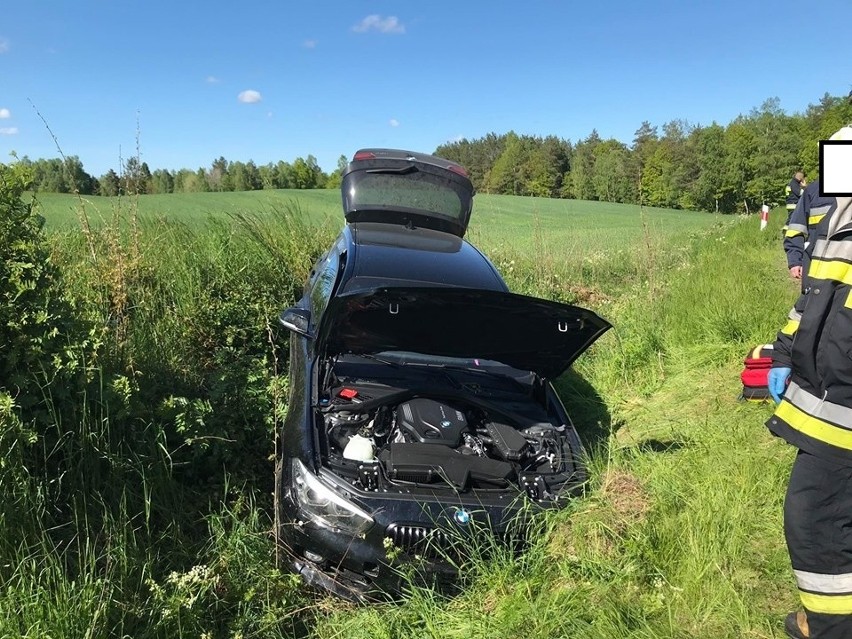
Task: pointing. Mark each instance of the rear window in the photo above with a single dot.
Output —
(414, 191)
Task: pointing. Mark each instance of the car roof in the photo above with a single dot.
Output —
(396, 256)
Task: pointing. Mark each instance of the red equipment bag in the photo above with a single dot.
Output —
(755, 375)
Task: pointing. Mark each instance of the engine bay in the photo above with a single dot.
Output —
(444, 441)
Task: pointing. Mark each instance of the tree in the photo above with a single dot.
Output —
(476, 156)
(252, 177)
(137, 176)
(740, 149)
(335, 178)
(655, 187)
(583, 167)
(707, 191)
(217, 179)
(303, 176)
(317, 175)
(645, 141)
(306, 174)
(109, 183)
(777, 144)
(201, 181)
(506, 176)
(75, 177)
(161, 182)
(611, 175)
(549, 161)
(284, 177)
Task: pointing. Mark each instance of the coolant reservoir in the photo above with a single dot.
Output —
(359, 449)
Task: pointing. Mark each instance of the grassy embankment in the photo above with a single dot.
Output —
(678, 536)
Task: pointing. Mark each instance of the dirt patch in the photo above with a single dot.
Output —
(598, 530)
(626, 496)
(588, 295)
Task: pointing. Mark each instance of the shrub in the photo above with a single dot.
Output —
(44, 346)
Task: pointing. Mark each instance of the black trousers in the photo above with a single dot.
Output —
(818, 529)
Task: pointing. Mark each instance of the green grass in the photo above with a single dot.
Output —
(561, 226)
(63, 211)
(679, 533)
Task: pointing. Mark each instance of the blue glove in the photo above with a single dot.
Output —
(778, 382)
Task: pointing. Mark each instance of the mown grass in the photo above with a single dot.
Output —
(678, 535)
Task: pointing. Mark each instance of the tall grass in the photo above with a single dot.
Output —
(120, 516)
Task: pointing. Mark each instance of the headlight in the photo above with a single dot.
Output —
(322, 505)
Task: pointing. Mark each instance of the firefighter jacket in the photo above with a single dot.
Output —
(804, 224)
(793, 192)
(815, 413)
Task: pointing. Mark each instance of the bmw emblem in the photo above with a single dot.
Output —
(446, 423)
(462, 517)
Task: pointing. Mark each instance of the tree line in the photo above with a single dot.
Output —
(727, 169)
(733, 168)
(66, 175)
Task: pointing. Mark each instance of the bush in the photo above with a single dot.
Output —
(44, 346)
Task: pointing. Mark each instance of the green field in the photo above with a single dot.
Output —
(560, 225)
(136, 463)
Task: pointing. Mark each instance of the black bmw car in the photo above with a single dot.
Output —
(420, 407)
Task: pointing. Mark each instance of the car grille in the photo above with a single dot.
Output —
(419, 540)
(433, 543)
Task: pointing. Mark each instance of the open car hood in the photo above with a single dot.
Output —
(523, 332)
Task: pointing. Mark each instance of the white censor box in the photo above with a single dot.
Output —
(835, 168)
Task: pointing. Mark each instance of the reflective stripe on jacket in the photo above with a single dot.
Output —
(805, 224)
(792, 192)
(816, 343)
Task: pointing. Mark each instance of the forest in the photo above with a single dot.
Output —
(733, 168)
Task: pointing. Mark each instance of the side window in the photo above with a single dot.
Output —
(322, 283)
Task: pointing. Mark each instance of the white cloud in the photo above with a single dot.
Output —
(375, 22)
(11, 130)
(4, 45)
(211, 79)
(310, 44)
(394, 122)
(5, 114)
(250, 96)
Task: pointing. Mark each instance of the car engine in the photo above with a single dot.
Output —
(443, 443)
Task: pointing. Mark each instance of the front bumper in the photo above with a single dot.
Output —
(359, 569)
(418, 544)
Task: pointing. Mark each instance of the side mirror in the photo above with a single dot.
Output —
(297, 320)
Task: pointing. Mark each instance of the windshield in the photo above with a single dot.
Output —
(429, 195)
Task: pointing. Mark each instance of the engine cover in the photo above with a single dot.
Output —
(429, 422)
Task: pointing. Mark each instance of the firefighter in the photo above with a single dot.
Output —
(802, 228)
(814, 414)
(793, 191)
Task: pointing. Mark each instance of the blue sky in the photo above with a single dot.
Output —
(188, 81)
